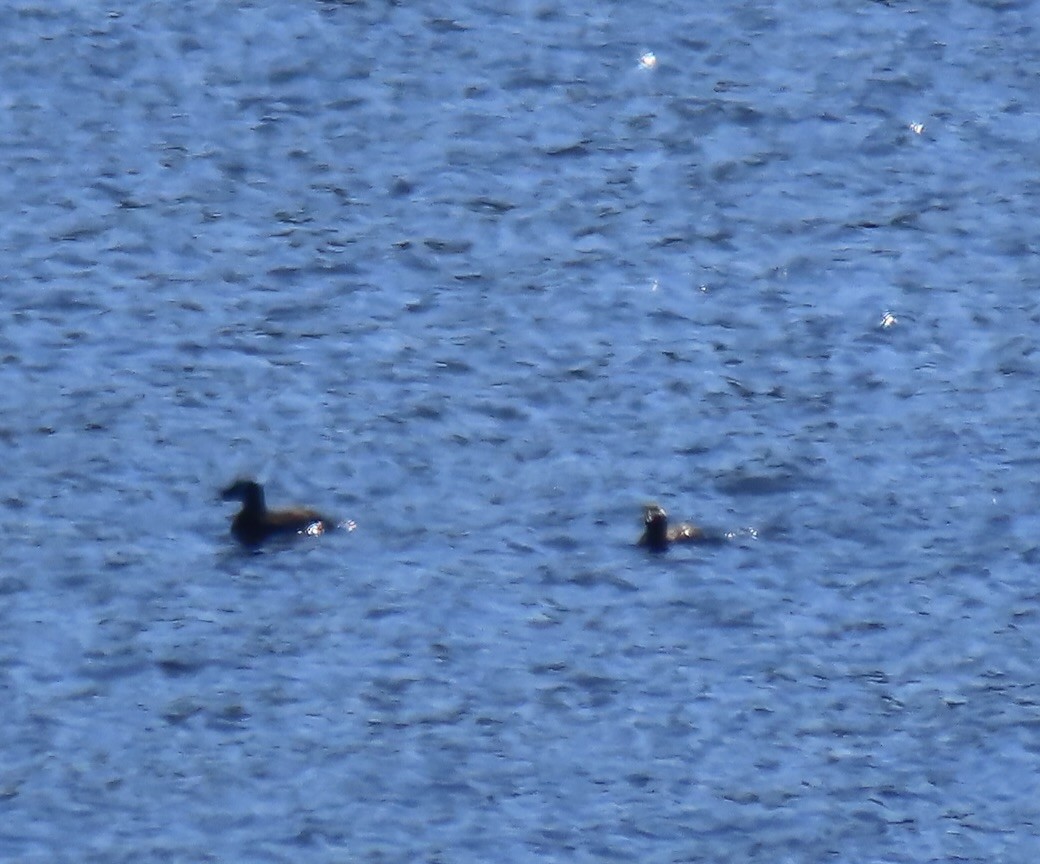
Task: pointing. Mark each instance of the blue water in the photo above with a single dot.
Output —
(485, 282)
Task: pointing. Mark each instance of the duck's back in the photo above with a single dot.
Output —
(686, 532)
(254, 528)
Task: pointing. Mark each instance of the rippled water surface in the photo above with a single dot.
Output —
(485, 278)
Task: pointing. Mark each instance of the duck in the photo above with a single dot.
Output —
(657, 535)
(254, 523)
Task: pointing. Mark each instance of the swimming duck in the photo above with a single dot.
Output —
(254, 523)
(657, 535)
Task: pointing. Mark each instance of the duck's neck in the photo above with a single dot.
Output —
(657, 531)
(253, 500)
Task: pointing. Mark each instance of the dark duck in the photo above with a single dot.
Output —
(658, 536)
(254, 523)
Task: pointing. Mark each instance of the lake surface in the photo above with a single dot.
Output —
(485, 281)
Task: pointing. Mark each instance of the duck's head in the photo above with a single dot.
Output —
(654, 514)
(655, 522)
(249, 492)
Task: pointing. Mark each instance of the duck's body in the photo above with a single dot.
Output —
(657, 535)
(254, 523)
